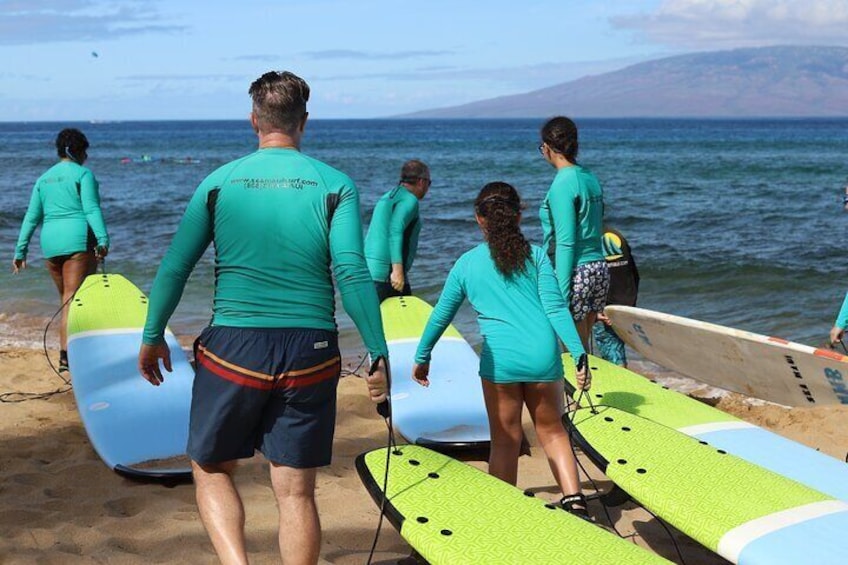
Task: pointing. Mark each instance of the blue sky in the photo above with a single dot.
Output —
(185, 59)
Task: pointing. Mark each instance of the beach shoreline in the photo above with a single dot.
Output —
(63, 505)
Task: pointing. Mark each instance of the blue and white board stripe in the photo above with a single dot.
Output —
(813, 533)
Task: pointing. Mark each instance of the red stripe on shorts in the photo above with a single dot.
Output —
(232, 376)
(307, 379)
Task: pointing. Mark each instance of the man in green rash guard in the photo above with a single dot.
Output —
(268, 365)
(392, 240)
(66, 202)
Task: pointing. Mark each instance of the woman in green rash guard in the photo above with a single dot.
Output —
(512, 287)
(572, 221)
(66, 202)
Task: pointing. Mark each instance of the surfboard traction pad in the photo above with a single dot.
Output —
(126, 309)
(616, 386)
(410, 315)
(452, 513)
(701, 491)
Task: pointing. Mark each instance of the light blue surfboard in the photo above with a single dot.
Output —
(449, 414)
(136, 429)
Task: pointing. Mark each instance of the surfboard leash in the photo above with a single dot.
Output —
(384, 409)
(594, 410)
(354, 372)
(570, 415)
(14, 397)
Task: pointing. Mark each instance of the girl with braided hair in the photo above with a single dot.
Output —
(512, 287)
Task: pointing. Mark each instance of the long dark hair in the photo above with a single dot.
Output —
(500, 206)
(560, 134)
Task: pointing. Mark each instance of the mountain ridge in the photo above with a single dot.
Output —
(772, 82)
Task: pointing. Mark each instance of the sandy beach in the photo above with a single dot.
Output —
(60, 504)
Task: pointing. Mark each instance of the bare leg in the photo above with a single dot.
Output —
(584, 329)
(68, 275)
(544, 401)
(300, 529)
(55, 270)
(503, 405)
(221, 510)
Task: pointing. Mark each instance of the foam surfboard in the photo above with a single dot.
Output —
(743, 512)
(136, 429)
(770, 368)
(452, 513)
(619, 387)
(450, 413)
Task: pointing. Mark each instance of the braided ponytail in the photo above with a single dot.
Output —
(499, 205)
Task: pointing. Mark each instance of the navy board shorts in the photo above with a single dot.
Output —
(266, 389)
(589, 289)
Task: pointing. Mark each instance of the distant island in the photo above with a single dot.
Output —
(784, 81)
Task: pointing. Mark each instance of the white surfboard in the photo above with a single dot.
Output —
(769, 368)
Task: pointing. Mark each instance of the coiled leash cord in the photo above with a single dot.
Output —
(15, 397)
(384, 409)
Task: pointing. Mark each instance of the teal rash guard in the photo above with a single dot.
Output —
(66, 201)
(520, 317)
(277, 219)
(393, 233)
(572, 222)
(842, 318)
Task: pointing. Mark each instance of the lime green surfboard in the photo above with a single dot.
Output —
(404, 317)
(743, 511)
(452, 513)
(622, 388)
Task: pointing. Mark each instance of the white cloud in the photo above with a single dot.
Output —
(705, 24)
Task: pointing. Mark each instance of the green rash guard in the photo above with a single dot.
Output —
(277, 218)
(393, 233)
(572, 222)
(842, 318)
(66, 201)
(519, 317)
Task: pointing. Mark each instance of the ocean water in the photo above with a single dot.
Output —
(738, 223)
